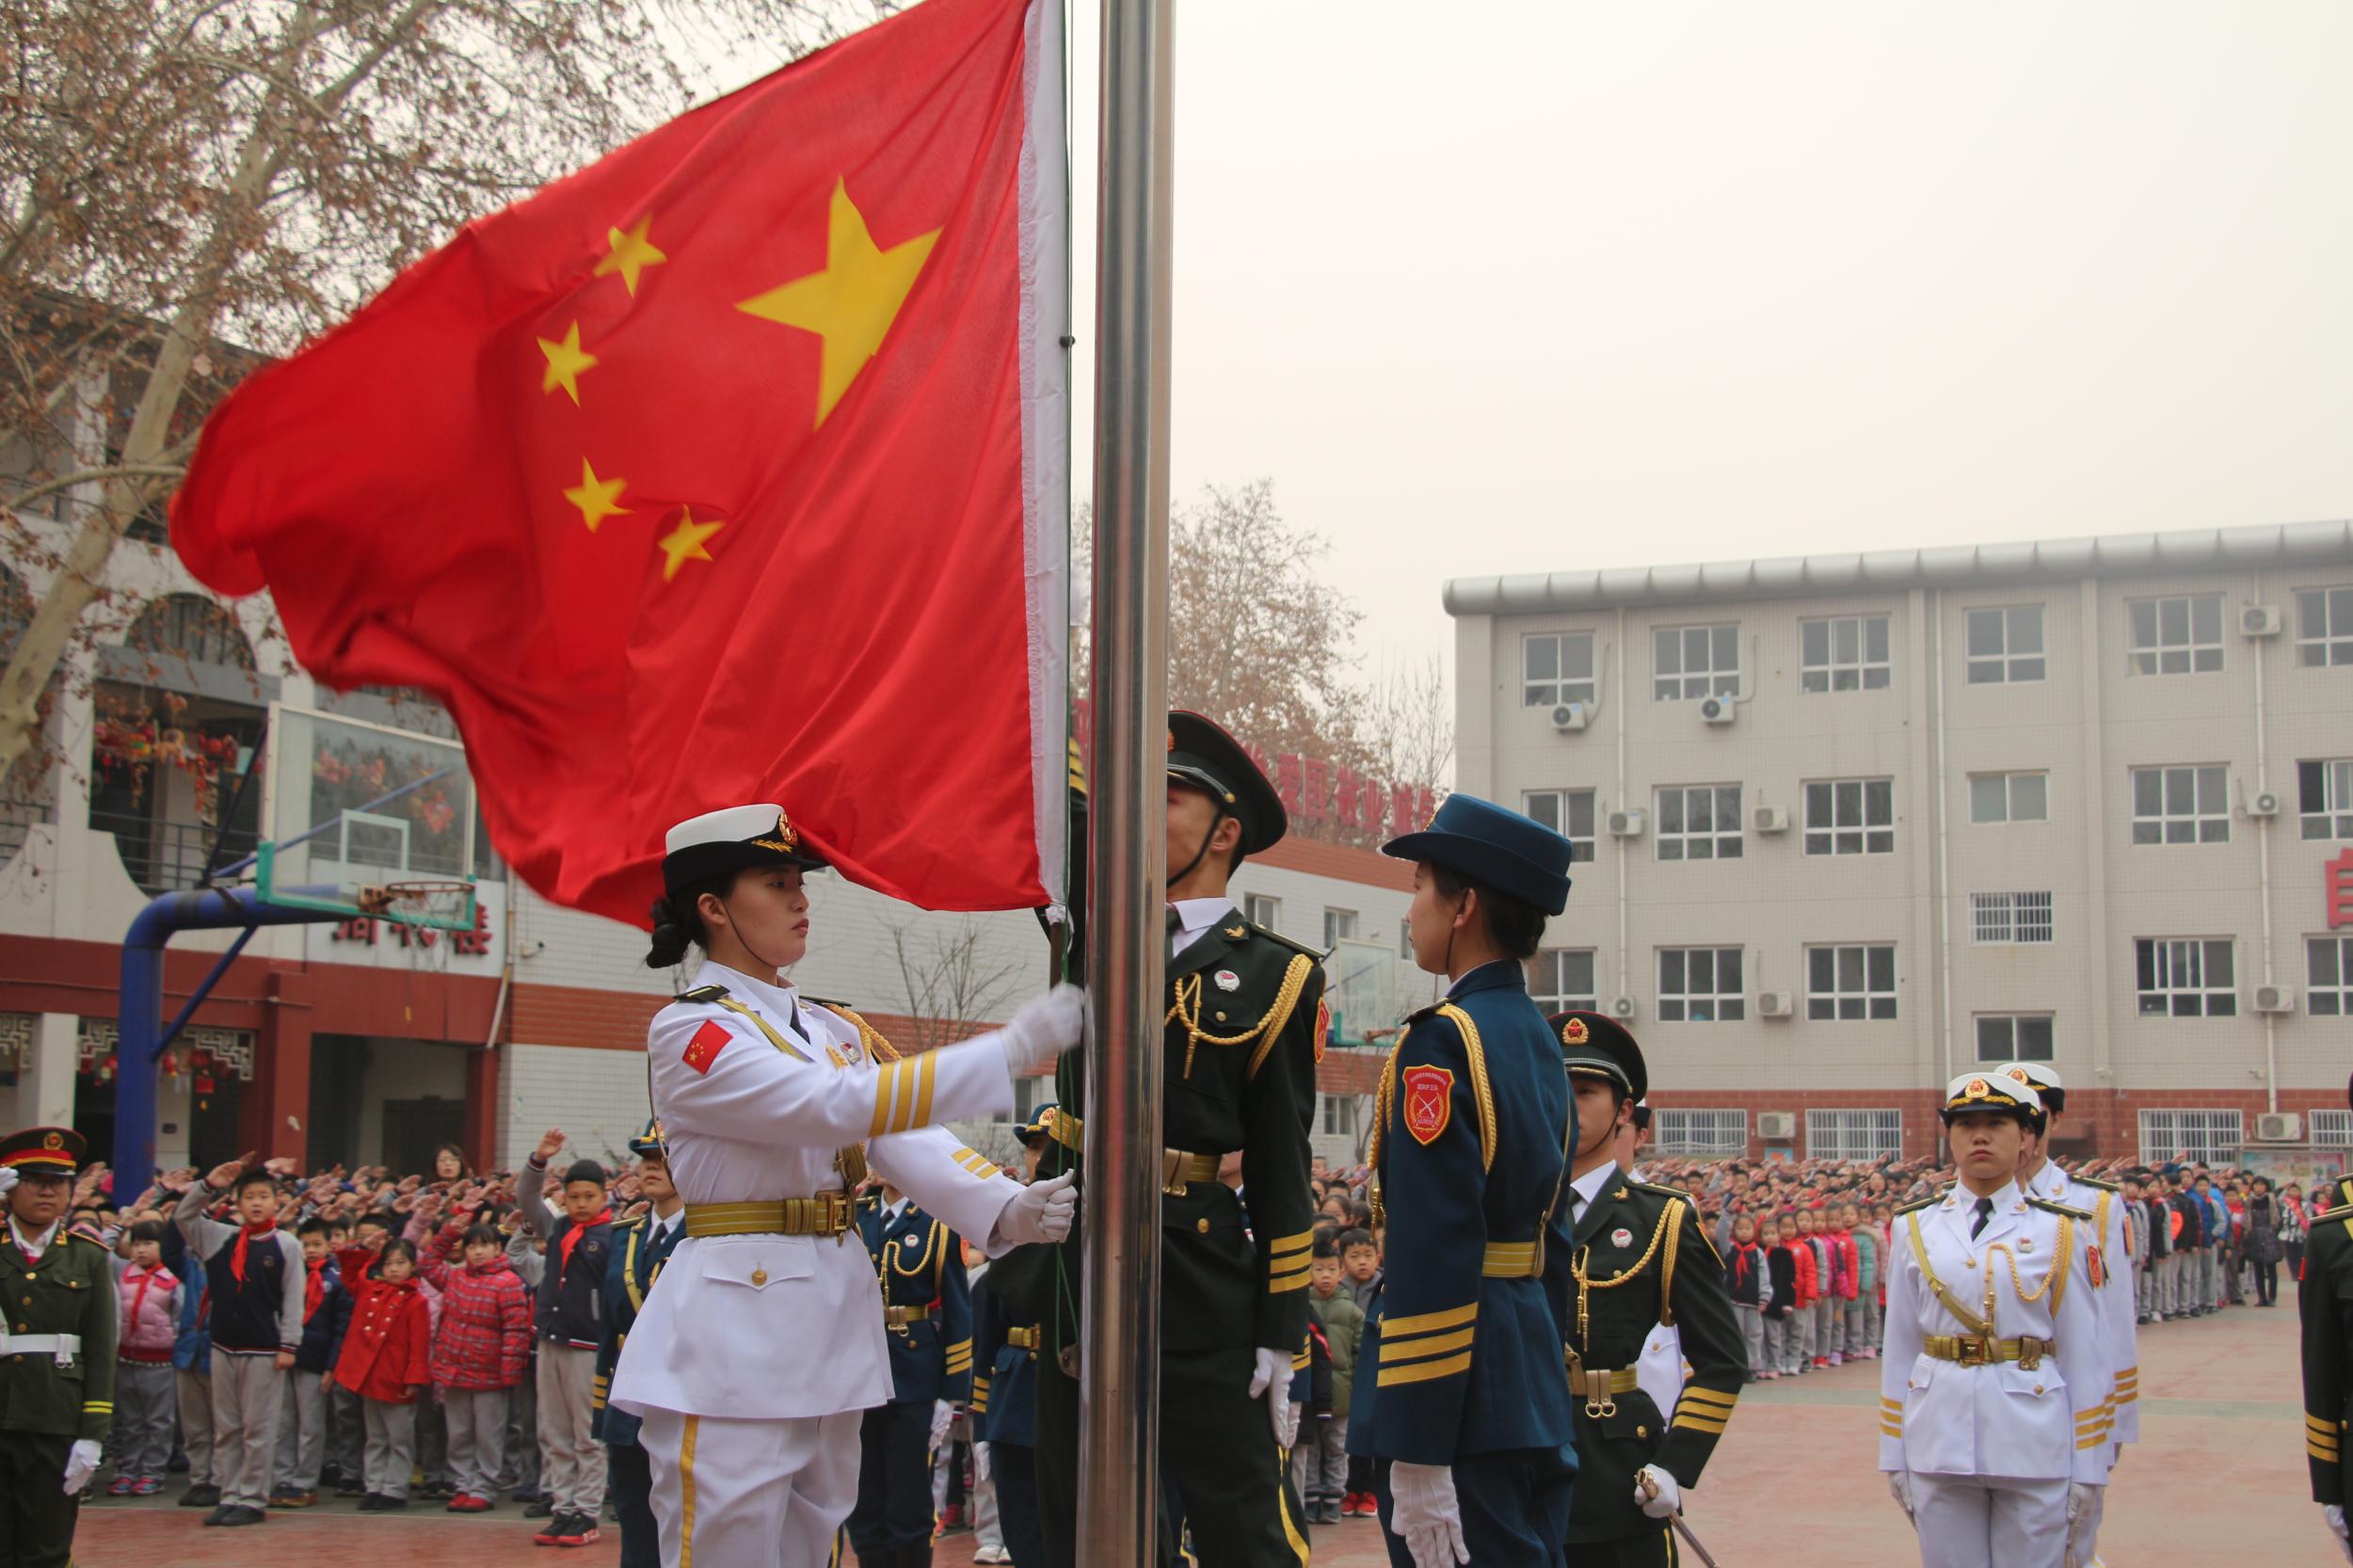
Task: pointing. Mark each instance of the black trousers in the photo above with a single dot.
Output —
(629, 1482)
(894, 1480)
(1653, 1548)
(1515, 1509)
(1013, 1468)
(1216, 1444)
(35, 1517)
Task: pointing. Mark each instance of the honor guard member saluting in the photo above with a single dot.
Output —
(1989, 1439)
(1244, 1027)
(1637, 1260)
(2325, 1305)
(752, 1363)
(58, 1357)
(639, 1250)
(928, 1310)
(2104, 1252)
(1459, 1398)
(1005, 1341)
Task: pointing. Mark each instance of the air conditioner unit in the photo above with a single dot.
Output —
(1776, 1126)
(2259, 620)
(1623, 1007)
(1771, 819)
(2278, 1127)
(1625, 825)
(1718, 710)
(2275, 999)
(2263, 805)
(1568, 718)
(1774, 1004)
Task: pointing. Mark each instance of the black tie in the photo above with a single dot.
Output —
(1985, 1213)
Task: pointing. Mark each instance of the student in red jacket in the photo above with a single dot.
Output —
(480, 1346)
(386, 1360)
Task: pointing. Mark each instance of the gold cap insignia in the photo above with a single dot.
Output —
(1575, 1033)
(1977, 1088)
(2018, 1075)
(785, 839)
(53, 1141)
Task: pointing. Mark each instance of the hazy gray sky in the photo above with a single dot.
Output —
(1528, 286)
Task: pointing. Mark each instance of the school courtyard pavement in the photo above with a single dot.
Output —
(2219, 1478)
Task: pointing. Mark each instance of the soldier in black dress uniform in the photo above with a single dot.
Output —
(56, 1353)
(927, 1308)
(1245, 1029)
(1005, 1341)
(2326, 1304)
(639, 1250)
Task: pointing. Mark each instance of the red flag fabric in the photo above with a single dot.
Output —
(733, 468)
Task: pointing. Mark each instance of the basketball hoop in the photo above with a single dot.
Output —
(437, 902)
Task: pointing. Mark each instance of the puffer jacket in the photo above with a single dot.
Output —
(483, 1336)
(147, 1310)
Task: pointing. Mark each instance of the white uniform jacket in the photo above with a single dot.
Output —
(775, 1327)
(2000, 1419)
(2120, 1334)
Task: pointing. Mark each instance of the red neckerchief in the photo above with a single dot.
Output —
(572, 1237)
(140, 1295)
(245, 1234)
(313, 1288)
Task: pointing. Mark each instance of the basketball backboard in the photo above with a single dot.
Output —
(335, 844)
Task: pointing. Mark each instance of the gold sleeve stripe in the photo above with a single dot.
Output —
(1424, 1372)
(1290, 1265)
(1299, 1362)
(926, 1076)
(2326, 1454)
(2093, 1442)
(1289, 1282)
(1427, 1323)
(2326, 1428)
(964, 1345)
(1699, 1423)
(885, 1090)
(1300, 1242)
(1416, 1349)
(1892, 1429)
(1712, 1396)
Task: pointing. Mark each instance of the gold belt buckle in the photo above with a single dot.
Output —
(2030, 1354)
(1971, 1350)
(837, 1214)
(1172, 1174)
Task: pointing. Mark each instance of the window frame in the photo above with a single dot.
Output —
(1700, 1132)
(2014, 1021)
(2336, 817)
(1724, 1007)
(2332, 648)
(2009, 778)
(2339, 991)
(1715, 681)
(2332, 1127)
(1564, 817)
(2198, 819)
(2005, 667)
(1862, 666)
(1345, 1105)
(2152, 658)
(2209, 1120)
(1262, 910)
(1683, 838)
(1333, 920)
(1551, 999)
(1564, 687)
(2004, 923)
(1869, 996)
(1881, 1137)
(2165, 954)
(1863, 832)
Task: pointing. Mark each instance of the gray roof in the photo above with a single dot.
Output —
(1894, 570)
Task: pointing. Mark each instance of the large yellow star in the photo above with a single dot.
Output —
(853, 302)
(598, 498)
(684, 543)
(629, 253)
(567, 362)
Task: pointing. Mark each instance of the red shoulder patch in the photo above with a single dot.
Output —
(1323, 1029)
(1428, 1102)
(704, 1049)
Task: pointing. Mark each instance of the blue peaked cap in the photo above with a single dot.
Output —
(1503, 850)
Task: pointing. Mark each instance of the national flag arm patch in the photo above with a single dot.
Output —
(704, 1049)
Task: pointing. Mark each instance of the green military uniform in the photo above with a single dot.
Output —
(1638, 1259)
(2326, 1303)
(1244, 1029)
(56, 1363)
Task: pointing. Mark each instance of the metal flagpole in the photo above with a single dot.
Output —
(1119, 1315)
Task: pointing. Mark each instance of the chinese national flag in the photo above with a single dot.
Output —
(731, 468)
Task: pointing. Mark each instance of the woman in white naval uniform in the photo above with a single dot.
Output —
(1991, 1439)
(752, 1363)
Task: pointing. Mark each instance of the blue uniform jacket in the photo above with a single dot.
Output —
(1005, 1377)
(921, 1262)
(1461, 1347)
(630, 1266)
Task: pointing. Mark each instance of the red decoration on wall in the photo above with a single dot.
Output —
(2340, 890)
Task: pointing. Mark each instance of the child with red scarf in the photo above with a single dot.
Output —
(1845, 1263)
(147, 1312)
(570, 1302)
(481, 1343)
(253, 1278)
(302, 1423)
(386, 1360)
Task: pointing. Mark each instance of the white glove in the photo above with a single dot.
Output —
(2081, 1502)
(980, 1463)
(1670, 1498)
(1044, 1028)
(1271, 1378)
(8, 1178)
(80, 1464)
(1042, 1211)
(1899, 1488)
(1423, 1510)
(2334, 1513)
(943, 1416)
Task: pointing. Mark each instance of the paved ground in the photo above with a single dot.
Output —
(2218, 1479)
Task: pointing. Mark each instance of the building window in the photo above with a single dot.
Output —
(1854, 1134)
(1339, 925)
(1690, 1134)
(1699, 986)
(1567, 812)
(2186, 977)
(1998, 797)
(2177, 636)
(2323, 626)
(2013, 1037)
(2212, 1137)
(2182, 806)
(2006, 645)
(1851, 982)
(1339, 1115)
(1563, 979)
(1556, 666)
(1699, 822)
(1260, 910)
(1851, 816)
(1694, 662)
(2332, 1130)
(2324, 795)
(2009, 918)
(1848, 654)
(2328, 976)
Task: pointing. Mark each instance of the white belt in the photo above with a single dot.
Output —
(65, 1347)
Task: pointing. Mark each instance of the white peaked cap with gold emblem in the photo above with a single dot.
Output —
(1992, 1091)
(2036, 1075)
(733, 839)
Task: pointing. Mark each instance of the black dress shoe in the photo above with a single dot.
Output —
(201, 1496)
(245, 1517)
(219, 1515)
(370, 1503)
(391, 1505)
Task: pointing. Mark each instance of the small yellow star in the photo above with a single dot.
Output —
(598, 498)
(684, 543)
(631, 252)
(853, 302)
(567, 362)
